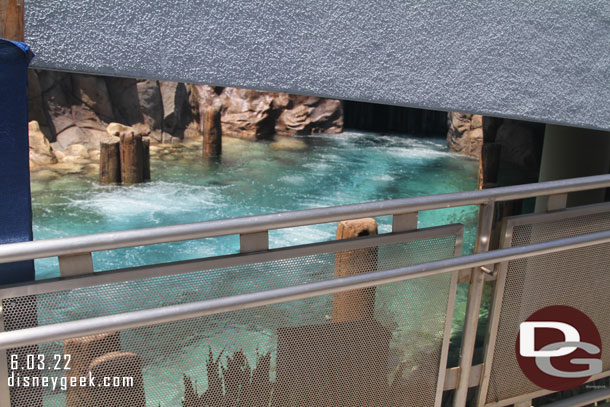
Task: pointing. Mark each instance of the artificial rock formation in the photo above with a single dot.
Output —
(41, 152)
(303, 115)
(82, 352)
(256, 115)
(465, 133)
(519, 142)
(76, 109)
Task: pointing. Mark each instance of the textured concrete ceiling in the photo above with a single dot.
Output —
(537, 60)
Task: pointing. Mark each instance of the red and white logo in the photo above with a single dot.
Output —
(559, 348)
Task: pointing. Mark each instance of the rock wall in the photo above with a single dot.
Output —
(41, 152)
(465, 134)
(521, 141)
(256, 115)
(75, 109)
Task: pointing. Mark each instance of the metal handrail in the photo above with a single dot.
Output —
(260, 223)
(135, 319)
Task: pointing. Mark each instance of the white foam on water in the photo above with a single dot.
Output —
(318, 166)
(293, 179)
(338, 169)
(419, 153)
(150, 201)
(383, 178)
(330, 157)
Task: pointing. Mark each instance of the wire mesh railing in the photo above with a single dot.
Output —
(356, 322)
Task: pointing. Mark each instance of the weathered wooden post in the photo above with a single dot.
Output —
(355, 305)
(344, 362)
(12, 24)
(82, 351)
(125, 154)
(212, 131)
(132, 158)
(146, 147)
(489, 163)
(125, 385)
(110, 161)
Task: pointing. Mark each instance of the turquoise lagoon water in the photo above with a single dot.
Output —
(249, 179)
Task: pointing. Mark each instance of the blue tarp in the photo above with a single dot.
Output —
(15, 199)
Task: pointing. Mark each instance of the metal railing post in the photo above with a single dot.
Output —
(556, 202)
(473, 306)
(253, 242)
(75, 264)
(404, 222)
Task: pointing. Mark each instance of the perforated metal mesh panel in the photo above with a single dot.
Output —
(385, 350)
(578, 278)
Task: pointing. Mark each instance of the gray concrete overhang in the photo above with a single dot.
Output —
(527, 59)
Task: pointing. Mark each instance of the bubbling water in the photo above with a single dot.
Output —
(249, 179)
(252, 178)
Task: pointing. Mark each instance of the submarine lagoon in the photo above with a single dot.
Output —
(249, 178)
(252, 178)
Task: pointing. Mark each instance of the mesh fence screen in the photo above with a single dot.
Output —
(383, 349)
(578, 278)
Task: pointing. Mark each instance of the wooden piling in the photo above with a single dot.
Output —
(12, 20)
(132, 158)
(82, 351)
(355, 305)
(110, 161)
(489, 165)
(212, 131)
(146, 156)
(126, 383)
